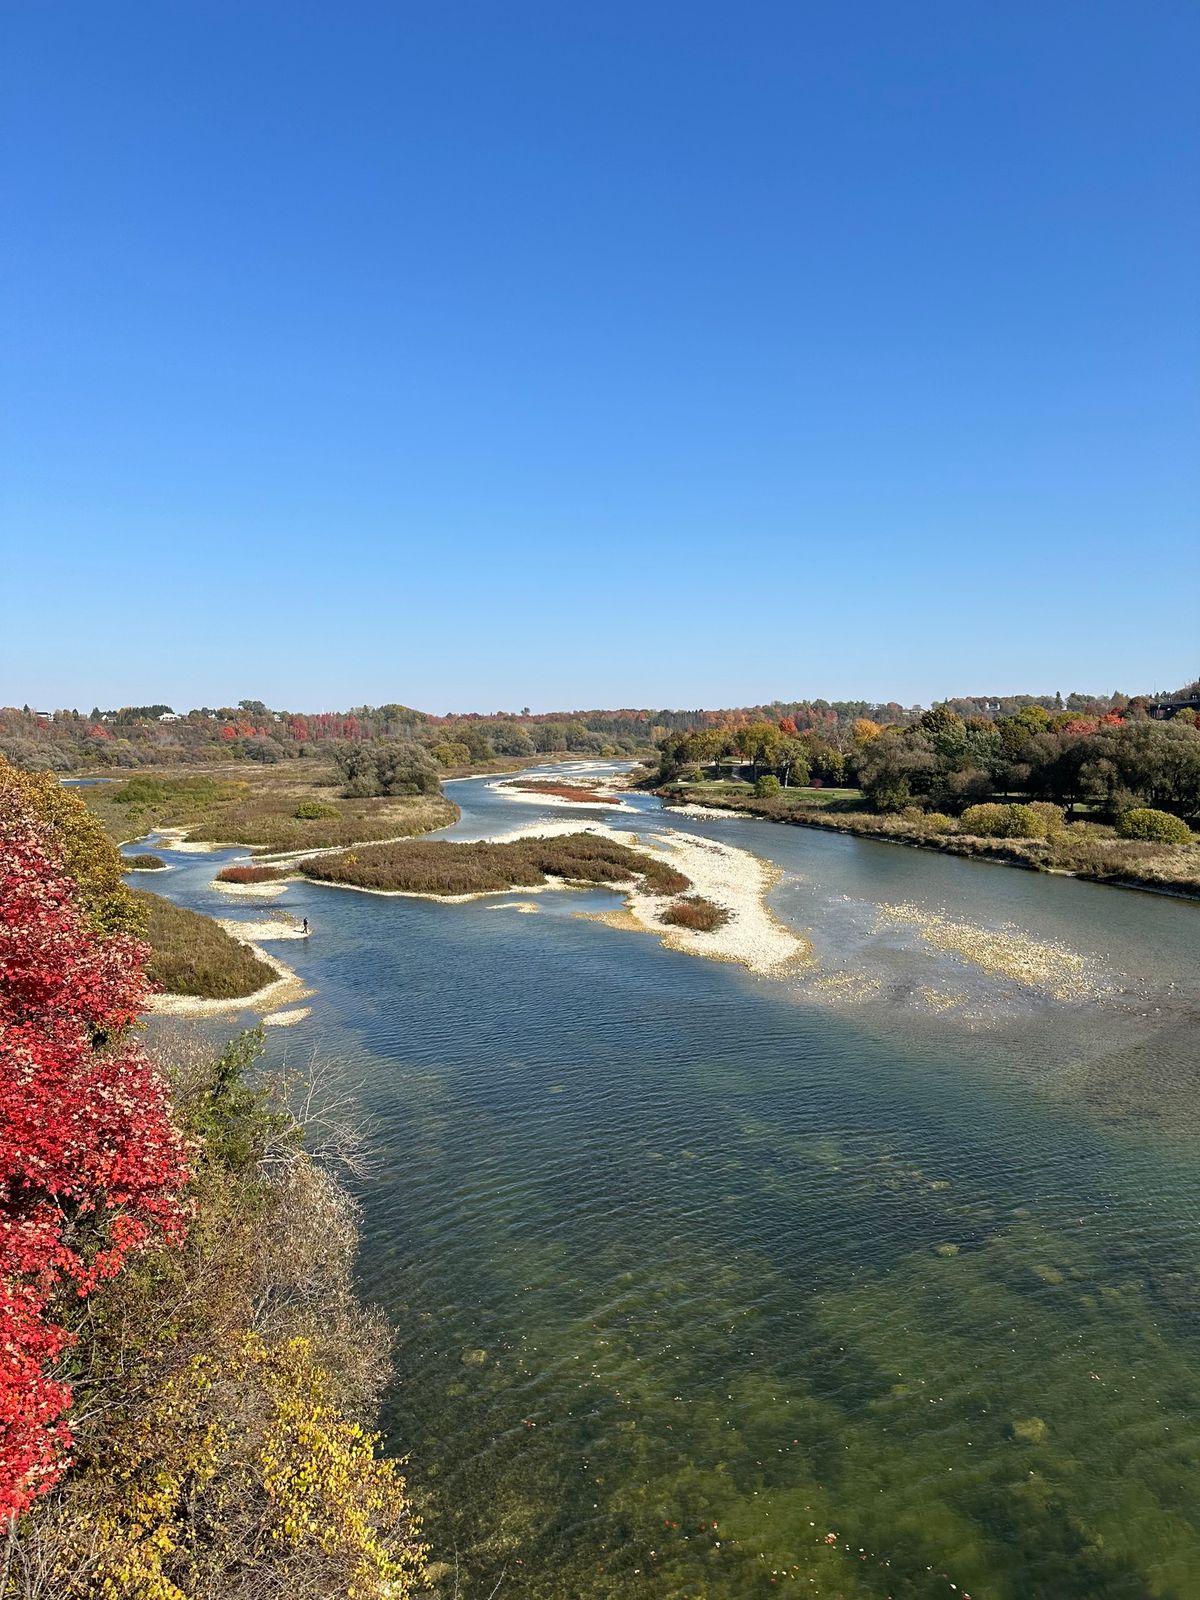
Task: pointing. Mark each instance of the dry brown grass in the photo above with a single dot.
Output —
(440, 867)
(695, 912)
(193, 956)
(563, 791)
(257, 807)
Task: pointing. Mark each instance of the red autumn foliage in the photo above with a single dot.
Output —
(91, 1168)
(564, 791)
(250, 874)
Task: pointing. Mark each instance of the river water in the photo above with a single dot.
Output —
(879, 1279)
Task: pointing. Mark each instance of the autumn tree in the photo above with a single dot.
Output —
(90, 1166)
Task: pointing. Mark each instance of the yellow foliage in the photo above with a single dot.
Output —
(240, 1459)
(88, 854)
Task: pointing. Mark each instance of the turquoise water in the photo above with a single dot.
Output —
(880, 1279)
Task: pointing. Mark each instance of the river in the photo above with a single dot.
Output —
(878, 1279)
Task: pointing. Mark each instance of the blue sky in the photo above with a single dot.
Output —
(489, 355)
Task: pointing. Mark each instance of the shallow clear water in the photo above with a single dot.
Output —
(692, 1270)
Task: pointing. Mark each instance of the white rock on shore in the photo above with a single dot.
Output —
(731, 878)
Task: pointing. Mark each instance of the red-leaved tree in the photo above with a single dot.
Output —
(91, 1167)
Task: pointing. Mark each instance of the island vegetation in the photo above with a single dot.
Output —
(580, 793)
(695, 912)
(440, 867)
(142, 861)
(188, 1381)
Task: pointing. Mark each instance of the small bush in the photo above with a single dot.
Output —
(315, 810)
(1036, 821)
(144, 862)
(767, 785)
(695, 912)
(937, 822)
(250, 874)
(1159, 827)
(985, 821)
(1049, 819)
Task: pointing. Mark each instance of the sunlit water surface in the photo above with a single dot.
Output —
(881, 1279)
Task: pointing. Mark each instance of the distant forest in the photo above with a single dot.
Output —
(158, 735)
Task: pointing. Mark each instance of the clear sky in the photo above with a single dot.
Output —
(625, 353)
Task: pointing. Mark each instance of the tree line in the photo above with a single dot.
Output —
(1111, 760)
(823, 736)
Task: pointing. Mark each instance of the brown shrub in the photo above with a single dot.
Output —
(250, 874)
(695, 912)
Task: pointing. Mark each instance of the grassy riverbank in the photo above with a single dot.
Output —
(193, 955)
(268, 809)
(1081, 849)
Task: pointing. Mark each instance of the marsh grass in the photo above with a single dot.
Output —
(482, 867)
(194, 956)
(266, 809)
(142, 861)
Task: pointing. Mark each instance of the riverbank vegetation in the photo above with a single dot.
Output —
(440, 867)
(188, 1380)
(386, 767)
(142, 861)
(1113, 796)
(188, 954)
(266, 809)
(193, 955)
(943, 761)
(1083, 849)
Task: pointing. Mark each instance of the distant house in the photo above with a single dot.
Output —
(1164, 709)
(170, 716)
